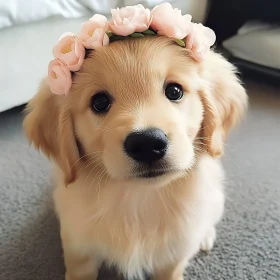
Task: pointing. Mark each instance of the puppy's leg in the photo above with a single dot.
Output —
(207, 243)
(172, 272)
(216, 209)
(80, 267)
(79, 264)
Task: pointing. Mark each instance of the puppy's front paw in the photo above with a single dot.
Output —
(207, 243)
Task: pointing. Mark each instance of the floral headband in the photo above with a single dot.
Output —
(131, 21)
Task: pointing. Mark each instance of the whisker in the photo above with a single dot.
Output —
(231, 160)
(103, 174)
(225, 155)
(96, 166)
(209, 138)
(88, 154)
(106, 182)
(93, 179)
(85, 166)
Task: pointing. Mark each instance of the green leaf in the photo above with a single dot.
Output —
(136, 35)
(149, 32)
(180, 42)
(116, 38)
(109, 33)
(150, 28)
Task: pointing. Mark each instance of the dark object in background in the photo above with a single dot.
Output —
(256, 72)
(227, 16)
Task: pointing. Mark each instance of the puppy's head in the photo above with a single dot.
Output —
(139, 109)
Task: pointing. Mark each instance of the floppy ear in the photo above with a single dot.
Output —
(49, 127)
(224, 100)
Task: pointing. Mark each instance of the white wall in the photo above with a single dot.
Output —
(197, 8)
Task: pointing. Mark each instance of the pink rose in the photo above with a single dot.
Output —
(70, 51)
(100, 21)
(59, 78)
(200, 40)
(170, 22)
(130, 19)
(93, 32)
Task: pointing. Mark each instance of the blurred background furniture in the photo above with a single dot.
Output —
(249, 30)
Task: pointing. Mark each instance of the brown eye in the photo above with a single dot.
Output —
(174, 92)
(101, 102)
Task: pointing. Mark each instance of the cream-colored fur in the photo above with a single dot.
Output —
(107, 214)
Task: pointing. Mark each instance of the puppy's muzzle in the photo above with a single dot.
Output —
(146, 146)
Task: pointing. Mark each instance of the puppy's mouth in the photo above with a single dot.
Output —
(149, 173)
(152, 174)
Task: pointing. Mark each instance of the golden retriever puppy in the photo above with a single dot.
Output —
(136, 145)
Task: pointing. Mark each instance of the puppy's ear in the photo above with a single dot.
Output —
(224, 100)
(49, 127)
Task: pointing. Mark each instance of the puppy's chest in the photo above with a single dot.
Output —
(142, 232)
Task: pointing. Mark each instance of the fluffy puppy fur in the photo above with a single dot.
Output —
(107, 211)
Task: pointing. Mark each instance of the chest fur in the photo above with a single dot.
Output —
(139, 234)
(135, 230)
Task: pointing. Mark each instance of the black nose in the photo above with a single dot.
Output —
(146, 146)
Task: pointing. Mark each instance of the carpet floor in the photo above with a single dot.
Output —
(248, 244)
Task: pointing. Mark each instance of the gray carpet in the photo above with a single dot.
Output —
(248, 245)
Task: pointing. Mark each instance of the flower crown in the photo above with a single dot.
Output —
(131, 21)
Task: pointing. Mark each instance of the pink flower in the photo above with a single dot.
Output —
(59, 78)
(130, 19)
(100, 21)
(170, 22)
(93, 32)
(70, 51)
(200, 40)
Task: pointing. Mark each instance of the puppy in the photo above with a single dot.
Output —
(136, 145)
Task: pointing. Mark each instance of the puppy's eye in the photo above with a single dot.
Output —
(101, 102)
(174, 92)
